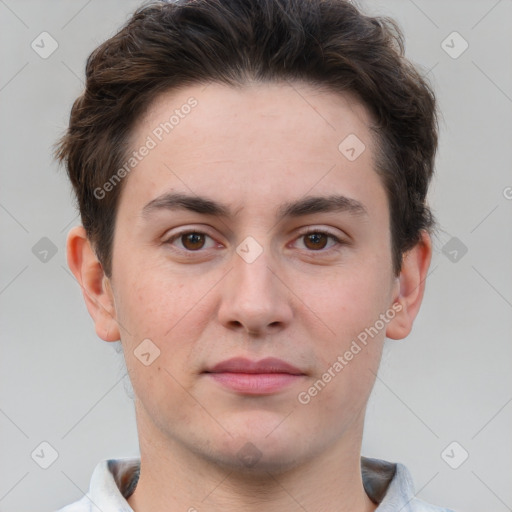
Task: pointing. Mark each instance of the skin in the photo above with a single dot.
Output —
(251, 149)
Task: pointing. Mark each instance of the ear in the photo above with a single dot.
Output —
(410, 287)
(95, 285)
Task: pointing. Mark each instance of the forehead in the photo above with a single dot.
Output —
(258, 108)
(258, 142)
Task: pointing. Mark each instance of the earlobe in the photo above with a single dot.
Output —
(411, 287)
(95, 286)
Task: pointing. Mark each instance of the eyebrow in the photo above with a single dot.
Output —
(302, 207)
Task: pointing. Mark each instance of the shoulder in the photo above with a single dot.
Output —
(401, 493)
(111, 482)
(391, 486)
(417, 505)
(82, 505)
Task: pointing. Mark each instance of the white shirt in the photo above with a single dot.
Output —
(114, 480)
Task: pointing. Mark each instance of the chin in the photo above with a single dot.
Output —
(252, 452)
(256, 461)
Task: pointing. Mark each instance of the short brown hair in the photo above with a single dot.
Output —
(329, 43)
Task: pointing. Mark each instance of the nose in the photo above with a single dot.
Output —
(255, 298)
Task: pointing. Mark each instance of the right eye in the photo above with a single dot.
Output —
(191, 241)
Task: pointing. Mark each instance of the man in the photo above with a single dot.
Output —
(252, 179)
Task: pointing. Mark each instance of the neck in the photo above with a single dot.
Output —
(172, 477)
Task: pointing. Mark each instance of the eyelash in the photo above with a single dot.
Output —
(338, 242)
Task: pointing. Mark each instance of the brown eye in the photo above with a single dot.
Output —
(193, 241)
(316, 240)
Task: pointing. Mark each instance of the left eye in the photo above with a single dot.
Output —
(317, 240)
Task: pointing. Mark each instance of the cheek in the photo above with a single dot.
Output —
(150, 304)
(161, 396)
(350, 351)
(348, 302)
(165, 309)
(347, 371)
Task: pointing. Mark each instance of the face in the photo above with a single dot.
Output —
(247, 231)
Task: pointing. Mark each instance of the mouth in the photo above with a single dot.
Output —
(262, 377)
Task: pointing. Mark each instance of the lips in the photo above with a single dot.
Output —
(246, 377)
(243, 365)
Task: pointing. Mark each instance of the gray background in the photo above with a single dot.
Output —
(449, 381)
